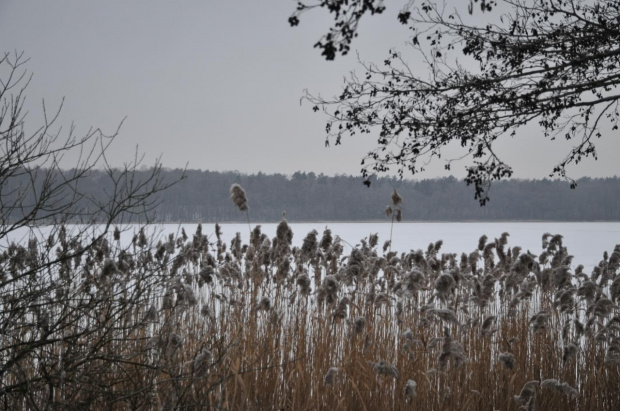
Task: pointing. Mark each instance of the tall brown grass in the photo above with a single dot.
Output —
(264, 326)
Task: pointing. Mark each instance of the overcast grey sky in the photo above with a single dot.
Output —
(215, 83)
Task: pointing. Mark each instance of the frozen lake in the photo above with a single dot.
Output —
(585, 241)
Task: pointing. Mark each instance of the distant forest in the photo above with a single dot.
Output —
(204, 196)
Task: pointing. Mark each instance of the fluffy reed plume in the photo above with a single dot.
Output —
(284, 234)
(384, 368)
(206, 274)
(539, 321)
(173, 343)
(411, 342)
(117, 234)
(155, 342)
(399, 215)
(326, 240)
(527, 393)
(304, 283)
(612, 356)
(508, 359)
(410, 389)
(564, 299)
(550, 383)
(386, 245)
(200, 365)
(601, 308)
(330, 376)
(487, 324)
(587, 291)
(205, 311)
(393, 211)
(328, 291)
(482, 242)
(175, 340)
(445, 315)
(168, 300)
(358, 325)
(373, 240)
(151, 315)
(238, 197)
(341, 310)
(310, 245)
(218, 232)
(569, 353)
(444, 285)
(563, 388)
(186, 294)
(396, 198)
(408, 334)
(450, 349)
(356, 263)
(382, 299)
(503, 240)
(109, 269)
(283, 269)
(263, 305)
(614, 290)
(472, 260)
(413, 281)
(256, 238)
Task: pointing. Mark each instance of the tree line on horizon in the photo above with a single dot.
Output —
(203, 196)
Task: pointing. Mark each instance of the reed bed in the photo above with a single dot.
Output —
(189, 323)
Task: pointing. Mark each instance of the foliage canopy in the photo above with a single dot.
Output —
(555, 63)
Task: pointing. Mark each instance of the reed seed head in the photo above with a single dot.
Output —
(410, 389)
(396, 198)
(238, 197)
(508, 359)
(330, 376)
(384, 368)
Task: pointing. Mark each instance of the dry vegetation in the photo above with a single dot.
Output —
(89, 321)
(190, 323)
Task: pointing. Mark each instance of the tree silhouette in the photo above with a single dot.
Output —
(67, 286)
(555, 63)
